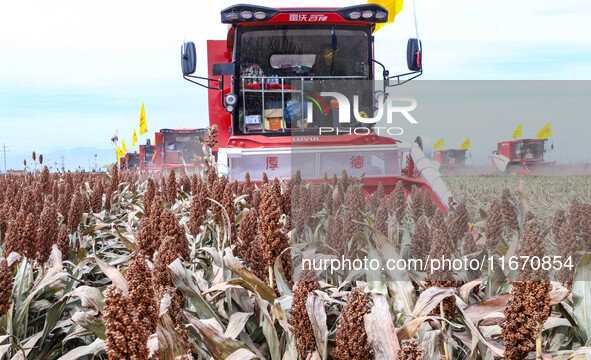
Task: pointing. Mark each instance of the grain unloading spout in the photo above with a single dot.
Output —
(429, 171)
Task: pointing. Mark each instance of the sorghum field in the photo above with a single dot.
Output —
(189, 266)
(546, 194)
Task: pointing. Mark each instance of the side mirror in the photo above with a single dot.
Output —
(188, 58)
(223, 69)
(414, 56)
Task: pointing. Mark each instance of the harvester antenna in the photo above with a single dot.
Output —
(414, 6)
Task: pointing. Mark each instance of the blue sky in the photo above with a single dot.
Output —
(72, 73)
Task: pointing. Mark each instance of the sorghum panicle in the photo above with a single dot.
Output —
(420, 243)
(45, 180)
(198, 209)
(96, 199)
(429, 206)
(114, 184)
(494, 226)
(333, 235)
(441, 248)
(169, 227)
(171, 248)
(171, 188)
(416, 197)
(29, 247)
(63, 242)
(525, 314)
(272, 239)
(299, 319)
(126, 334)
(141, 291)
(410, 350)
(509, 214)
(351, 335)
(5, 287)
(381, 219)
(13, 241)
(377, 196)
(47, 232)
(460, 222)
(75, 212)
(559, 219)
(147, 239)
(212, 135)
(248, 233)
(566, 246)
(398, 201)
(265, 179)
(354, 204)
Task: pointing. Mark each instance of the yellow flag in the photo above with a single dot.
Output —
(438, 144)
(134, 138)
(143, 126)
(123, 146)
(517, 132)
(120, 152)
(393, 6)
(465, 144)
(546, 132)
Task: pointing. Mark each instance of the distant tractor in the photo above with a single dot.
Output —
(451, 161)
(175, 148)
(520, 157)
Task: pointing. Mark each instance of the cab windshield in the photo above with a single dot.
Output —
(182, 148)
(529, 150)
(283, 70)
(149, 155)
(455, 157)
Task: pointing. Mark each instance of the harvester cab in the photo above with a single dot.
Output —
(131, 161)
(178, 147)
(147, 156)
(521, 157)
(450, 161)
(295, 89)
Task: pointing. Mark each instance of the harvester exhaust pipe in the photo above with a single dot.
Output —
(429, 170)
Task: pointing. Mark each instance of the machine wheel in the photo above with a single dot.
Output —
(513, 169)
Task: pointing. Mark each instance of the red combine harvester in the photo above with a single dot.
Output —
(131, 161)
(271, 93)
(451, 161)
(147, 153)
(174, 148)
(520, 157)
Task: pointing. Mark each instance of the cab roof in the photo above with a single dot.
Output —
(365, 14)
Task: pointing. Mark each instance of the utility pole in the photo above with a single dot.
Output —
(63, 164)
(4, 150)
